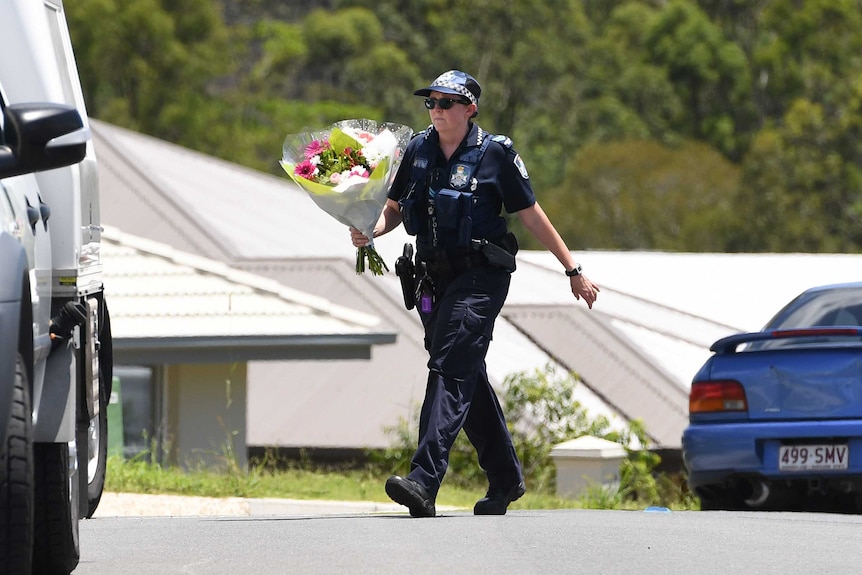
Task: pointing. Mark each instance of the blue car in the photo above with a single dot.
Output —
(775, 417)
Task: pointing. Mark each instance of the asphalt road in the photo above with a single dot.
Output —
(562, 541)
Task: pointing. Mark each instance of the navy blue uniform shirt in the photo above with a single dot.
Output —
(501, 179)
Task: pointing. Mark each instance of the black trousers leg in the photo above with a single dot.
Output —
(457, 335)
(486, 429)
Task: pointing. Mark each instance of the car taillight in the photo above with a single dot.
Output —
(716, 396)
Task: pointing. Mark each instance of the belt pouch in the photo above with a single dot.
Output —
(411, 216)
(453, 211)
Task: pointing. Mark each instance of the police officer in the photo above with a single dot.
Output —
(450, 189)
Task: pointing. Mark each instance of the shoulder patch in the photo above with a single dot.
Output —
(519, 163)
(504, 140)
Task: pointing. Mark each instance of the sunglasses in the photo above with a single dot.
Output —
(444, 103)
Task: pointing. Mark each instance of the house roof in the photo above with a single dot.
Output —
(168, 306)
(636, 351)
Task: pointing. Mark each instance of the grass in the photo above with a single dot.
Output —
(306, 482)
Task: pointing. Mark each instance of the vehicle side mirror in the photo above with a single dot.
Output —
(37, 137)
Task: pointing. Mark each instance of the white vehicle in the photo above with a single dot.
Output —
(55, 339)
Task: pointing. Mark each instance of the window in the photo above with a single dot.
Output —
(133, 392)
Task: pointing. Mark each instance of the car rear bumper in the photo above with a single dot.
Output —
(714, 453)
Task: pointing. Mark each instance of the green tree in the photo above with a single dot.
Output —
(339, 56)
(644, 195)
(139, 58)
(281, 53)
(710, 74)
(801, 183)
(806, 50)
(624, 95)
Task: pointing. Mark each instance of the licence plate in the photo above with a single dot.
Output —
(812, 457)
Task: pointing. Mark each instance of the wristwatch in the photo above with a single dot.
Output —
(574, 272)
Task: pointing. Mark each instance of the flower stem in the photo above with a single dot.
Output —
(375, 262)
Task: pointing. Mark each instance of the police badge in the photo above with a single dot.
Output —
(459, 176)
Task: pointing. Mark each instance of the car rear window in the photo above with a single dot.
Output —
(839, 306)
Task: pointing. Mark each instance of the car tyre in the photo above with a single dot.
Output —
(56, 542)
(17, 481)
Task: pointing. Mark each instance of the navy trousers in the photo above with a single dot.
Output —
(458, 394)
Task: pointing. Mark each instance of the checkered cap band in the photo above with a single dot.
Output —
(451, 81)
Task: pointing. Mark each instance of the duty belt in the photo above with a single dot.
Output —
(481, 253)
(439, 262)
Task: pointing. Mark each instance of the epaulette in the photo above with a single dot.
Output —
(480, 135)
(505, 141)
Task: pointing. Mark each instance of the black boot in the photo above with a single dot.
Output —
(412, 495)
(497, 500)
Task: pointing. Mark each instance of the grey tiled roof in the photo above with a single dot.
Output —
(162, 299)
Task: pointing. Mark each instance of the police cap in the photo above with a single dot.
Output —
(454, 82)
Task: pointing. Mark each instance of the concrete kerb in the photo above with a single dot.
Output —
(147, 505)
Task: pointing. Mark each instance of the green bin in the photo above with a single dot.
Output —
(115, 419)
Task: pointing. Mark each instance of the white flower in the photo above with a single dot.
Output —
(380, 147)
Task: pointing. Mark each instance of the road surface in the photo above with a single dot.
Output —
(559, 541)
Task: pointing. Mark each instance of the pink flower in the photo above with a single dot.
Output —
(305, 169)
(315, 148)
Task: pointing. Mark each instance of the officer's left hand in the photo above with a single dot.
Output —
(582, 287)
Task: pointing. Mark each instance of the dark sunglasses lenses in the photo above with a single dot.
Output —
(444, 103)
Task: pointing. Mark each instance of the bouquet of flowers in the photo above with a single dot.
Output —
(347, 170)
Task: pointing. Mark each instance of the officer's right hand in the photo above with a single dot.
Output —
(582, 287)
(358, 238)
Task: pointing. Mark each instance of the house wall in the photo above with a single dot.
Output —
(206, 414)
